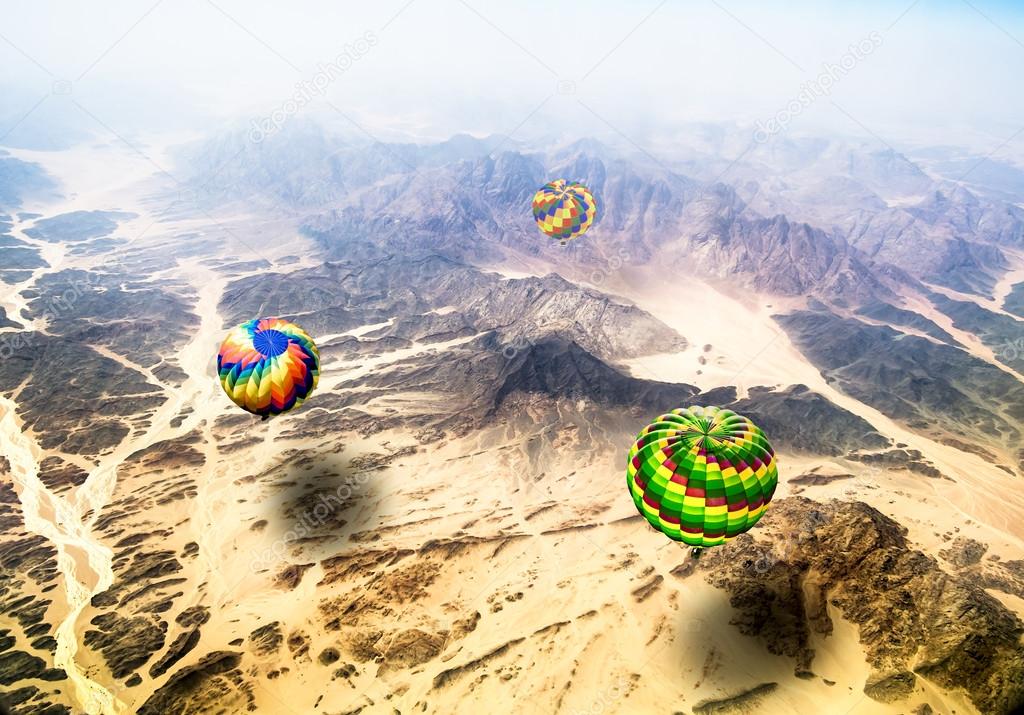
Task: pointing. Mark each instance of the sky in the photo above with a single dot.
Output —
(932, 71)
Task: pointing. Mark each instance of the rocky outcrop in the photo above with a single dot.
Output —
(890, 686)
(891, 315)
(178, 649)
(59, 475)
(1014, 302)
(267, 639)
(1003, 334)
(412, 647)
(16, 665)
(964, 552)
(126, 643)
(76, 399)
(448, 676)
(214, 684)
(915, 620)
(910, 459)
(143, 322)
(741, 702)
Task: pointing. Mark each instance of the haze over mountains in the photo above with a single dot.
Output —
(444, 525)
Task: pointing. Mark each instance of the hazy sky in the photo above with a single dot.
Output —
(934, 70)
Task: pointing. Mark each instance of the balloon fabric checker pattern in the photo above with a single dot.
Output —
(702, 475)
(564, 210)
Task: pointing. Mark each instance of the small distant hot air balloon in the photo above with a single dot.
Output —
(564, 210)
(268, 366)
(702, 475)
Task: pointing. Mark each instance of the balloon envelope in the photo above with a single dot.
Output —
(564, 210)
(268, 366)
(702, 475)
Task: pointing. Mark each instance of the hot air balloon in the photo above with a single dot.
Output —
(702, 475)
(564, 210)
(268, 366)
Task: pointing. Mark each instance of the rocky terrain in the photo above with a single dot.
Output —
(915, 620)
(30, 584)
(937, 388)
(442, 527)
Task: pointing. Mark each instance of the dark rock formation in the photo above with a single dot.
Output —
(800, 420)
(939, 389)
(267, 639)
(1003, 334)
(178, 649)
(59, 475)
(907, 608)
(214, 684)
(964, 552)
(738, 703)
(126, 643)
(76, 226)
(141, 321)
(76, 399)
(891, 315)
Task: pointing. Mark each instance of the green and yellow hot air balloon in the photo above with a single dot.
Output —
(702, 475)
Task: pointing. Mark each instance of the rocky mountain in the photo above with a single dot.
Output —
(935, 387)
(909, 211)
(442, 526)
(951, 238)
(1014, 302)
(916, 621)
(1000, 332)
(644, 222)
(305, 165)
(988, 176)
(455, 198)
(432, 299)
(903, 318)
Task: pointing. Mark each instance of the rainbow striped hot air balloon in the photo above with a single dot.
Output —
(564, 210)
(702, 475)
(268, 366)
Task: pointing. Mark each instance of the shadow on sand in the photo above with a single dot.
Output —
(707, 621)
(317, 505)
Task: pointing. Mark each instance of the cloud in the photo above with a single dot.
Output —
(443, 66)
